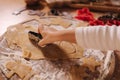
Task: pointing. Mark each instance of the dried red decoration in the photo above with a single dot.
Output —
(118, 23)
(85, 15)
(113, 22)
(96, 22)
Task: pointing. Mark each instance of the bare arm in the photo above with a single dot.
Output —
(51, 35)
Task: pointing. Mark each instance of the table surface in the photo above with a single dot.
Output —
(7, 7)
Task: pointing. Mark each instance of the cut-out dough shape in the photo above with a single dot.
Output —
(68, 47)
(22, 70)
(18, 36)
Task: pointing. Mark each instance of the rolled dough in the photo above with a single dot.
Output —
(17, 35)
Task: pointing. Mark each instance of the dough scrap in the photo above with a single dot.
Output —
(17, 35)
(20, 69)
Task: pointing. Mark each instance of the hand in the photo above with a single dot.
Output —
(51, 35)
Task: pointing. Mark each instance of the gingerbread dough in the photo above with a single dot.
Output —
(60, 21)
(56, 21)
(18, 36)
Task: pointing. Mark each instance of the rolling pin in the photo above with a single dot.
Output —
(97, 7)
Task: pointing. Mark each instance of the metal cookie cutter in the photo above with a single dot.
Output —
(36, 37)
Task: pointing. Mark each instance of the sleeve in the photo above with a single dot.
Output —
(98, 37)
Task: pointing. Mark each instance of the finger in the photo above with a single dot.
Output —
(42, 43)
(43, 33)
(40, 28)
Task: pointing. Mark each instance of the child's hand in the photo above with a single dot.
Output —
(51, 35)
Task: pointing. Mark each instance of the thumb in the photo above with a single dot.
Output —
(42, 43)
